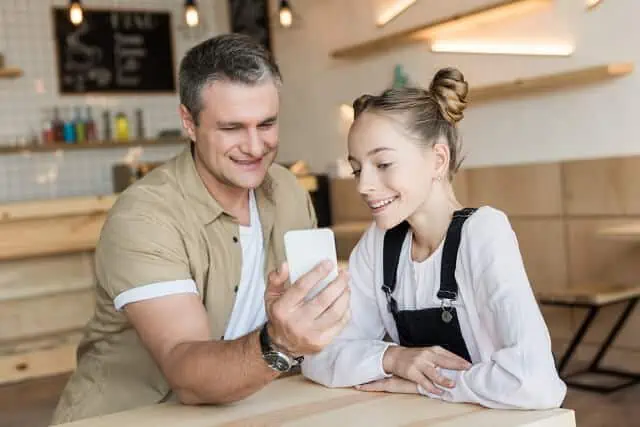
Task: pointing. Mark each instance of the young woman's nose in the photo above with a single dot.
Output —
(366, 181)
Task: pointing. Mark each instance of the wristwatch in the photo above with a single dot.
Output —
(277, 359)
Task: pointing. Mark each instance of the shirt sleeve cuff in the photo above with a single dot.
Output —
(381, 362)
(155, 290)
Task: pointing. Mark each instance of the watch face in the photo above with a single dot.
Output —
(277, 361)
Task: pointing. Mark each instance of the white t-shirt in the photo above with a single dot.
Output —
(249, 311)
(500, 321)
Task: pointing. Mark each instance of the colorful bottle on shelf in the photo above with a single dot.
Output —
(57, 125)
(140, 133)
(122, 127)
(106, 123)
(81, 134)
(69, 129)
(47, 136)
(91, 126)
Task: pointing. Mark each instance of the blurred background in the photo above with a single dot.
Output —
(88, 105)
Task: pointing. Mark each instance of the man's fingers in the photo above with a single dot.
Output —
(332, 301)
(304, 284)
(278, 277)
(335, 312)
(329, 333)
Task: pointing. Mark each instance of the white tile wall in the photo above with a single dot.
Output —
(31, 176)
(26, 41)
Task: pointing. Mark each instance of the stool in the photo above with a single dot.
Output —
(594, 299)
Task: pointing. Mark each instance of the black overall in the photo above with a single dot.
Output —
(430, 326)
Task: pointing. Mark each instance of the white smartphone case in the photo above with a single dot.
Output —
(305, 249)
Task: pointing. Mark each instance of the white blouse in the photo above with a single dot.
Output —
(501, 323)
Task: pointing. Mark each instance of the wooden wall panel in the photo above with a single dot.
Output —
(542, 244)
(595, 260)
(543, 249)
(346, 203)
(603, 186)
(525, 190)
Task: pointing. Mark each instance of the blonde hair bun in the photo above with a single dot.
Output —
(449, 90)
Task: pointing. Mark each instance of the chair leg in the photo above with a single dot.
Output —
(594, 367)
(622, 319)
(586, 323)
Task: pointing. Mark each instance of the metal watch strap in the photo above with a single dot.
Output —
(267, 346)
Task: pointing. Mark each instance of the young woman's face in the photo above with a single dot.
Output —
(395, 173)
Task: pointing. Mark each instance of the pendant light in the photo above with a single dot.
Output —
(286, 14)
(75, 12)
(191, 15)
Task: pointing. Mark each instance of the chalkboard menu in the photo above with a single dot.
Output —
(114, 51)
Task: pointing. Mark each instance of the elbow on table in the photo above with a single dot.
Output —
(188, 397)
(320, 373)
(312, 374)
(542, 391)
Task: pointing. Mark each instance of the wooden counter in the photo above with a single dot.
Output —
(294, 401)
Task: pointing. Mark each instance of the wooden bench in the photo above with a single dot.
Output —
(593, 298)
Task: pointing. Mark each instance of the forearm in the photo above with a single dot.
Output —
(210, 372)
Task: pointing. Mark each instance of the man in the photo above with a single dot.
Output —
(182, 312)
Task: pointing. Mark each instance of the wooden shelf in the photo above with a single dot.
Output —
(89, 145)
(10, 73)
(549, 81)
(494, 12)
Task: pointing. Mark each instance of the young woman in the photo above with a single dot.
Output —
(445, 284)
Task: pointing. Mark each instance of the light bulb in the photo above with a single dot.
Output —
(286, 17)
(75, 13)
(191, 15)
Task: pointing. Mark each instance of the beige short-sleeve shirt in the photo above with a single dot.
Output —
(167, 227)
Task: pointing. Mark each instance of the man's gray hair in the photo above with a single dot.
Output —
(231, 57)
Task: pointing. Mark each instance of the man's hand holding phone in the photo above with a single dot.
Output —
(301, 325)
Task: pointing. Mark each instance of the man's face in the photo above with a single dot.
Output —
(237, 137)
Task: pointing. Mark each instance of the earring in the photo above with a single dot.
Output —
(438, 178)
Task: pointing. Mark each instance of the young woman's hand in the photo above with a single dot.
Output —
(420, 365)
(390, 385)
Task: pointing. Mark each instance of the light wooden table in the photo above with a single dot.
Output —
(629, 232)
(295, 401)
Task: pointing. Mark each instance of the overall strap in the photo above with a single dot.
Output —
(448, 284)
(393, 239)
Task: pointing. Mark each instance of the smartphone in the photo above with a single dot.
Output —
(307, 248)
